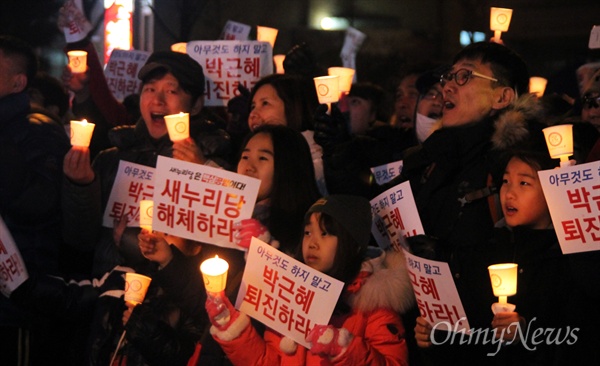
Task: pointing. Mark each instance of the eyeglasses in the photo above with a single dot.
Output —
(591, 101)
(462, 76)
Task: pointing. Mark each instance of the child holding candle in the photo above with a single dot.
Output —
(365, 327)
(545, 285)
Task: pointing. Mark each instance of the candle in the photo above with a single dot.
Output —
(537, 85)
(180, 47)
(77, 61)
(346, 75)
(81, 133)
(278, 59)
(500, 21)
(559, 140)
(146, 208)
(136, 286)
(214, 273)
(266, 34)
(178, 126)
(327, 89)
(504, 280)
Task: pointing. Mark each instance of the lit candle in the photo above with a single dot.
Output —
(178, 126)
(214, 273)
(146, 208)
(266, 34)
(278, 59)
(346, 75)
(559, 140)
(504, 280)
(500, 21)
(81, 133)
(77, 61)
(136, 286)
(537, 85)
(180, 47)
(327, 89)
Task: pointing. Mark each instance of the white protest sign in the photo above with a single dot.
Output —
(573, 197)
(436, 294)
(386, 172)
(12, 268)
(78, 26)
(122, 70)
(285, 294)
(227, 64)
(594, 42)
(352, 42)
(133, 183)
(395, 217)
(201, 203)
(234, 31)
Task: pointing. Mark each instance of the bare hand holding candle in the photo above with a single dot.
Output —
(178, 126)
(504, 283)
(81, 133)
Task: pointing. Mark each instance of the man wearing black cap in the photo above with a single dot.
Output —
(171, 83)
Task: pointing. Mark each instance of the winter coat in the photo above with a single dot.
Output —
(84, 205)
(31, 157)
(374, 322)
(164, 329)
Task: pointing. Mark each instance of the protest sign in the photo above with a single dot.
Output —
(234, 31)
(285, 294)
(227, 64)
(199, 202)
(122, 70)
(395, 217)
(386, 172)
(133, 183)
(436, 294)
(573, 197)
(12, 268)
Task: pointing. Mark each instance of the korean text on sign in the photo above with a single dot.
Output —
(395, 217)
(228, 64)
(12, 268)
(121, 72)
(436, 293)
(201, 203)
(283, 293)
(573, 197)
(133, 183)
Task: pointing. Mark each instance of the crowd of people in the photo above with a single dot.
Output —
(469, 135)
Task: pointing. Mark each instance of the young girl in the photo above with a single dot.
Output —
(365, 328)
(280, 158)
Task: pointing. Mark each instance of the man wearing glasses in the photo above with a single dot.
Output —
(452, 176)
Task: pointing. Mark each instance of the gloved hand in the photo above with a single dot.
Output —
(239, 109)
(327, 340)
(330, 129)
(244, 231)
(300, 60)
(220, 310)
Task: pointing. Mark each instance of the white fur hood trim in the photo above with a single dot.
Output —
(387, 287)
